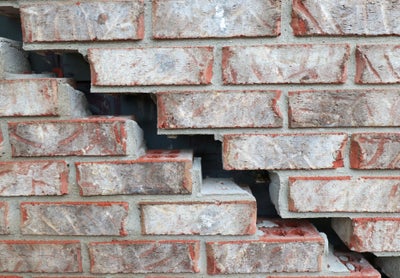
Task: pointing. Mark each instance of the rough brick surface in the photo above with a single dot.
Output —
(144, 256)
(283, 247)
(151, 66)
(285, 64)
(82, 21)
(283, 151)
(158, 172)
(33, 178)
(204, 218)
(199, 19)
(4, 223)
(2, 144)
(347, 108)
(12, 58)
(343, 194)
(357, 17)
(219, 109)
(94, 219)
(378, 63)
(369, 234)
(95, 136)
(40, 256)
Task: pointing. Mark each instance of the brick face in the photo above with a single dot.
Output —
(4, 221)
(238, 18)
(302, 63)
(151, 66)
(219, 109)
(82, 21)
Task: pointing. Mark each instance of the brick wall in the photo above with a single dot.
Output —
(304, 89)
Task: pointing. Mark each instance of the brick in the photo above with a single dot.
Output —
(74, 218)
(33, 178)
(337, 18)
(96, 136)
(344, 108)
(51, 97)
(378, 234)
(151, 66)
(2, 145)
(284, 246)
(40, 256)
(377, 64)
(281, 64)
(165, 256)
(158, 172)
(218, 109)
(283, 151)
(4, 224)
(344, 194)
(202, 19)
(375, 151)
(12, 58)
(82, 21)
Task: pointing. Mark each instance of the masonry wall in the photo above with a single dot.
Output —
(306, 90)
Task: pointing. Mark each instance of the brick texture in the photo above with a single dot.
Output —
(106, 218)
(4, 221)
(33, 178)
(357, 17)
(134, 256)
(219, 109)
(158, 172)
(345, 108)
(238, 18)
(343, 194)
(82, 21)
(283, 151)
(151, 66)
(301, 63)
(13, 60)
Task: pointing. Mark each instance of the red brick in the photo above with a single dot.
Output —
(338, 18)
(165, 256)
(158, 172)
(82, 21)
(344, 194)
(218, 109)
(375, 151)
(74, 218)
(283, 151)
(271, 64)
(95, 136)
(33, 178)
(4, 224)
(203, 218)
(2, 147)
(285, 246)
(377, 64)
(202, 19)
(40, 256)
(151, 66)
(376, 234)
(345, 108)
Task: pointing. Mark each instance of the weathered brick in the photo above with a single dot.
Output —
(2, 145)
(284, 246)
(4, 224)
(218, 109)
(344, 194)
(158, 172)
(50, 96)
(375, 151)
(151, 66)
(82, 21)
(201, 19)
(33, 178)
(369, 234)
(12, 58)
(378, 64)
(40, 256)
(72, 218)
(283, 151)
(345, 108)
(96, 136)
(164, 256)
(338, 18)
(300, 63)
